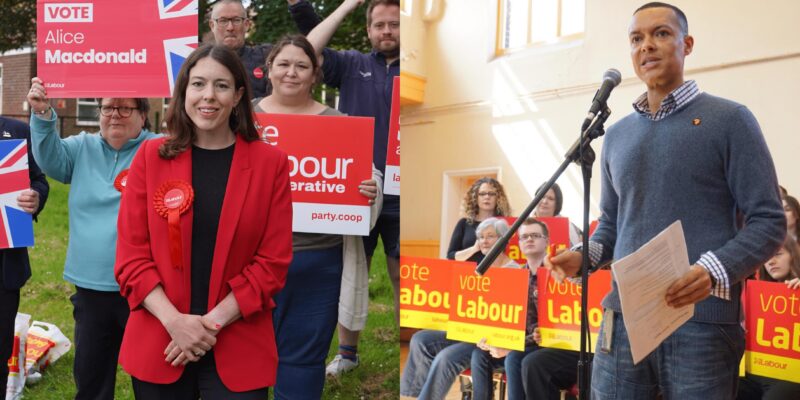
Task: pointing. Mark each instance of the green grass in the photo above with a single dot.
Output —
(46, 298)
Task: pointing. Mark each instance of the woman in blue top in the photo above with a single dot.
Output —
(95, 166)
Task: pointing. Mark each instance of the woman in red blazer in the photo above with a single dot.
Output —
(205, 240)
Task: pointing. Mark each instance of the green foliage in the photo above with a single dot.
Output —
(272, 20)
(17, 24)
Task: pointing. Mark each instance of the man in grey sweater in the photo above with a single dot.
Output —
(681, 155)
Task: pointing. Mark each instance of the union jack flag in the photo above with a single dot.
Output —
(16, 225)
(176, 51)
(176, 8)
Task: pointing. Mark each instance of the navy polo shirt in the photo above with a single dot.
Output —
(365, 90)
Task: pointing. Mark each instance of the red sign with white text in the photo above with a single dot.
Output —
(391, 182)
(558, 229)
(329, 156)
(560, 309)
(772, 318)
(111, 48)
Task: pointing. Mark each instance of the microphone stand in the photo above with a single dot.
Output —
(581, 153)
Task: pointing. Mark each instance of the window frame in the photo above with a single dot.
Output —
(529, 43)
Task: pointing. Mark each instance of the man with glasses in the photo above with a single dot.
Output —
(365, 84)
(95, 165)
(229, 24)
(533, 242)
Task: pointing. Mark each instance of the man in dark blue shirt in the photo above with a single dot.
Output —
(229, 23)
(365, 83)
(15, 268)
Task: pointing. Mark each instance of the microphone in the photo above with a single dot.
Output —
(611, 79)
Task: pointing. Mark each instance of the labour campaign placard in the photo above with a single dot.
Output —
(329, 156)
(772, 315)
(493, 306)
(112, 48)
(558, 229)
(391, 182)
(560, 309)
(425, 285)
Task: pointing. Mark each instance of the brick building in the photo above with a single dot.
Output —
(17, 67)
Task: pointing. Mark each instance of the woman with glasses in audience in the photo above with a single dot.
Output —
(95, 165)
(484, 199)
(433, 360)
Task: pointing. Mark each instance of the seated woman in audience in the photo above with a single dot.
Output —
(784, 266)
(792, 209)
(484, 199)
(433, 360)
(550, 206)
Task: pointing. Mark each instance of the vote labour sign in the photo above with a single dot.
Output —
(425, 291)
(391, 182)
(112, 48)
(558, 228)
(493, 306)
(772, 346)
(560, 309)
(329, 156)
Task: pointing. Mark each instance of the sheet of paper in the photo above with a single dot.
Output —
(643, 278)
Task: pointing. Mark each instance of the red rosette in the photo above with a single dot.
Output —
(172, 199)
(121, 180)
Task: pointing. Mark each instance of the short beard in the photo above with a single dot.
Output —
(393, 53)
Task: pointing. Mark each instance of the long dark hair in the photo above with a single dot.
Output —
(790, 246)
(795, 206)
(181, 127)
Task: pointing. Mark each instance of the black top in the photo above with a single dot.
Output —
(464, 236)
(210, 169)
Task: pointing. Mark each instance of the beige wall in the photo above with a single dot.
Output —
(518, 113)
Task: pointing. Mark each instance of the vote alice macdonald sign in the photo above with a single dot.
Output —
(108, 48)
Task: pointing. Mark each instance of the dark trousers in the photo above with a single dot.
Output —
(754, 387)
(9, 304)
(100, 319)
(305, 317)
(199, 380)
(545, 371)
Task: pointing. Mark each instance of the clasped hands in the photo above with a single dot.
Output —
(192, 337)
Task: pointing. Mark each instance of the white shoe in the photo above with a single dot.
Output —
(340, 365)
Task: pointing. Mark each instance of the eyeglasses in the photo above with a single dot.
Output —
(123, 112)
(531, 236)
(225, 21)
(484, 194)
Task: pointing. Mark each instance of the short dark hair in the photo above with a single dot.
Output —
(534, 221)
(375, 3)
(300, 41)
(682, 21)
(180, 127)
(559, 197)
(143, 105)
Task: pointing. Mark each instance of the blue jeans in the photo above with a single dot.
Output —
(699, 361)
(433, 364)
(482, 365)
(304, 318)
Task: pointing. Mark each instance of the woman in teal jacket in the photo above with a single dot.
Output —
(95, 166)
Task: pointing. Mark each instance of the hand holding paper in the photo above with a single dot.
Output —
(644, 278)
